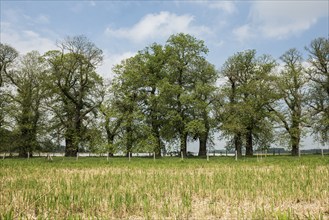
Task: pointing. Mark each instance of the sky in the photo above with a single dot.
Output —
(121, 28)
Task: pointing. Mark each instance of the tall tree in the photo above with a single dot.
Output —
(291, 87)
(152, 61)
(228, 109)
(203, 96)
(319, 92)
(111, 120)
(26, 99)
(128, 98)
(248, 93)
(186, 53)
(8, 55)
(172, 89)
(77, 85)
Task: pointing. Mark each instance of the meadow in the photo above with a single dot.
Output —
(278, 187)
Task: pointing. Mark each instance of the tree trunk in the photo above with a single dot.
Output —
(71, 144)
(111, 133)
(183, 143)
(110, 141)
(294, 150)
(129, 142)
(24, 145)
(295, 131)
(203, 144)
(73, 134)
(22, 148)
(27, 141)
(238, 144)
(157, 148)
(203, 139)
(155, 123)
(71, 149)
(295, 140)
(24, 152)
(249, 143)
(156, 133)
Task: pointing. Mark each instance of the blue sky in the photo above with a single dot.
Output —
(121, 28)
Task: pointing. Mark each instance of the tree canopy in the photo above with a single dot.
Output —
(161, 99)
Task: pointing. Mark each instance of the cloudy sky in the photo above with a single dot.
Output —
(121, 28)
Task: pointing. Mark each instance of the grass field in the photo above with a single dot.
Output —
(94, 188)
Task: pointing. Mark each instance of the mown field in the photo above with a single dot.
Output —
(280, 187)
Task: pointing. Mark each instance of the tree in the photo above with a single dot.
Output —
(129, 97)
(142, 75)
(203, 96)
(152, 61)
(168, 90)
(319, 88)
(228, 109)
(26, 100)
(248, 92)
(77, 87)
(112, 120)
(185, 53)
(233, 109)
(291, 87)
(8, 140)
(8, 55)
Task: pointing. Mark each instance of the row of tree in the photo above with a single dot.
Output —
(165, 95)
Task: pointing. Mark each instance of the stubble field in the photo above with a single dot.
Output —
(279, 187)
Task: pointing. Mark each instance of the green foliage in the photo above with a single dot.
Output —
(290, 86)
(319, 91)
(111, 120)
(163, 89)
(9, 140)
(8, 55)
(195, 127)
(164, 95)
(77, 88)
(25, 100)
(189, 89)
(247, 94)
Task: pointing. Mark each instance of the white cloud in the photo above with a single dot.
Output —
(110, 60)
(42, 19)
(23, 32)
(27, 40)
(243, 33)
(37, 21)
(161, 25)
(282, 19)
(24, 40)
(226, 6)
(279, 19)
(16, 16)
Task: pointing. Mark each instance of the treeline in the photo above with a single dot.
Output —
(164, 96)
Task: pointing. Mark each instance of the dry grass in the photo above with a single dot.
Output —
(274, 188)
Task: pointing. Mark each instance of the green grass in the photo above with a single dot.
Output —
(279, 187)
